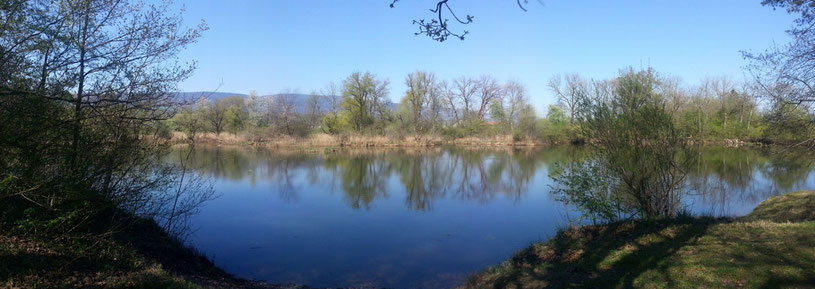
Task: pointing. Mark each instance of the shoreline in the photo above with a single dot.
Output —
(684, 252)
(322, 140)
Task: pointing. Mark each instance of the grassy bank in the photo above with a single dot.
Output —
(140, 256)
(326, 140)
(773, 247)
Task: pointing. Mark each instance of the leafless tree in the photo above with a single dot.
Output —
(215, 114)
(674, 94)
(285, 113)
(422, 100)
(516, 100)
(487, 90)
(571, 91)
(464, 90)
(332, 95)
(314, 109)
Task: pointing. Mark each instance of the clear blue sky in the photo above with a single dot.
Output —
(300, 46)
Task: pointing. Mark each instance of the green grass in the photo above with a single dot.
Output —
(761, 250)
(791, 207)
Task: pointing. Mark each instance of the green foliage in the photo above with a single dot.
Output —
(638, 144)
(592, 189)
(332, 124)
(471, 127)
(788, 123)
(237, 114)
(555, 128)
(527, 121)
(363, 99)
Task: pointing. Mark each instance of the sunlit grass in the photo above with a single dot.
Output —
(751, 252)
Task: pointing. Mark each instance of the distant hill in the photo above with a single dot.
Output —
(211, 95)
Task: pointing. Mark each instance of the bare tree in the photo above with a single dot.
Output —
(516, 100)
(572, 93)
(285, 113)
(422, 93)
(785, 74)
(464, 89)
(487, 91)
(435, 104)
(215, 114)
(314, 109)
(332, 95)
(724, 89)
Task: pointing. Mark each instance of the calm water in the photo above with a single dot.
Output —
(422, 218)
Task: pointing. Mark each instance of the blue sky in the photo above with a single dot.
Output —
(300, 46)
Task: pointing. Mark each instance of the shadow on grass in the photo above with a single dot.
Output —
(610, 256)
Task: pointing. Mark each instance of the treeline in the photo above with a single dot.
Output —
(716, 109)
(466, 106)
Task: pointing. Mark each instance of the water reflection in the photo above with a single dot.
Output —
(412, 218)
(480, 175)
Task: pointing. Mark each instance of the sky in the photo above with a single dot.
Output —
(301, 46)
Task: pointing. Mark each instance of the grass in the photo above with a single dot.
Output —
(773, 247)
(143, 256)
(791, 207)
(326, 140)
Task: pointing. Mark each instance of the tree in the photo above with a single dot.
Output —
(785, 74)
(462, 94)
(215, 115)
(314, 109)
(331, 121)
(572, 94)
(285, 113)
(364, 99)
(421, 100)
(102, 73)
(638, 145)
(487, 90)
(237, 113)
(516, 100)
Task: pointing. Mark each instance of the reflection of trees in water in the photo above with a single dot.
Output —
(720, 176)
(724, 175)
(253, 165)
(426, 178)
(789, 169)
(481, 176)
(433, 174)
(363, 177)
(180, 197)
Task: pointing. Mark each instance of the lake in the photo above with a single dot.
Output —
(422, 218)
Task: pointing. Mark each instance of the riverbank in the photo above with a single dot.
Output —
(326, 140)
(322, 140)
(140, 256)
(773, 247)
